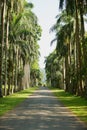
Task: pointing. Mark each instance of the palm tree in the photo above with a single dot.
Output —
(64, 29)
(76, 9)
(27, 34)
(10, 8)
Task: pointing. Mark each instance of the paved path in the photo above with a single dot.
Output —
(41, 111)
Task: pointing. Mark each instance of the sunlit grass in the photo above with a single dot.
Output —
(76, 104)
(9, 102)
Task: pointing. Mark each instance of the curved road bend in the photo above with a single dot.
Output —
(41, 111)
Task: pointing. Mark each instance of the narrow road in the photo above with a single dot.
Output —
(41, 111)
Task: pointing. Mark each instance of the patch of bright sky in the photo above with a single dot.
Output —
(46, 11)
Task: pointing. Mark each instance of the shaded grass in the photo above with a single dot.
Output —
(11, 101)
(76, 104)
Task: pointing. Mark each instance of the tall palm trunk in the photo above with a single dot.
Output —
(6, 48)
(9, 72)
(69, 66)
(75, 67)
(2, 42)
(78, 51)
(16, 69)
(66, 73)
(12, 70)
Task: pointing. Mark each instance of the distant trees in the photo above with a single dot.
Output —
(53, 70)
(36, 74)
(19, 33)
(71, 45)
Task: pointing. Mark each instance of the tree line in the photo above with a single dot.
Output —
(66, 67)
(19, 35)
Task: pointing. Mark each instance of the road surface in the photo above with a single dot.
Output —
(41, 111)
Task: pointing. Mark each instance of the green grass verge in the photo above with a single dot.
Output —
(9, 102)
(76, 104)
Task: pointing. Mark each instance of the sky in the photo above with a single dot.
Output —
(46, 11)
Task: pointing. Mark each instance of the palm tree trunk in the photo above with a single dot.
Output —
(16, 65)
(64, 76)
(78, 48)
(2, 42)
(66, 73)
(9, 73)
(6, 49)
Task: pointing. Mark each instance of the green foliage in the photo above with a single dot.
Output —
(35, 73)
(35, 64)
(35, 77)
(43, 76)
(53, 69)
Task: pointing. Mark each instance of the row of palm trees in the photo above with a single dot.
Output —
(71, 48)
(53, 70)
(19, 33)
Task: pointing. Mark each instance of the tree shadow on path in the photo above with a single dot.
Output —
(41, 111)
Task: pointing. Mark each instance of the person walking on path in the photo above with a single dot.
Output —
(41, 111)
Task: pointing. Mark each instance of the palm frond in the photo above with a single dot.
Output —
(53, 41)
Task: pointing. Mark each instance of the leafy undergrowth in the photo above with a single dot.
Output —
(76, 104)
(9, 102)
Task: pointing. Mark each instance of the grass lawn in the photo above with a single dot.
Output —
(9, 102)
(77, 105)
